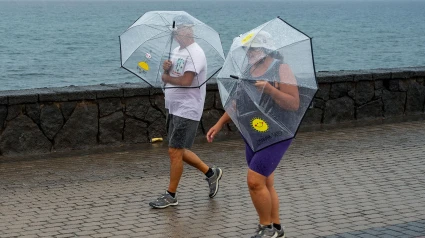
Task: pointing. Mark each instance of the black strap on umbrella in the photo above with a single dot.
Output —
(171, 41)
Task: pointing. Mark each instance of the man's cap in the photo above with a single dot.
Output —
(183, 20)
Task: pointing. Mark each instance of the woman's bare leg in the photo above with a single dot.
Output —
(260, 196)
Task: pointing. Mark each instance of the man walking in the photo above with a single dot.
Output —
(184, 102)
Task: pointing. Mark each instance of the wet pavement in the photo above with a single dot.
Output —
(353, 182)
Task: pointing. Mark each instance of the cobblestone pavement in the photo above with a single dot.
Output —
(354, 182)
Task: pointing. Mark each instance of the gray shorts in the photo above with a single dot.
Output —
(181, 131)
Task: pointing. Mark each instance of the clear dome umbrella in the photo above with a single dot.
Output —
(267, 82)
(149, 41)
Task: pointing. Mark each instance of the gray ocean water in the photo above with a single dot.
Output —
(62, 43)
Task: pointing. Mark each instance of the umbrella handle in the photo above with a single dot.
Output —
(234, 76)
(171, 41)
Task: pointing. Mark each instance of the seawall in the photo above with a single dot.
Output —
(70, 118)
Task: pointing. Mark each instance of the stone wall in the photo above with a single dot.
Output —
(60, 119)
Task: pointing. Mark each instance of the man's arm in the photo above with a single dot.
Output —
(184, 80)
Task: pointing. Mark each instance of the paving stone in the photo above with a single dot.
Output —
(353, 182)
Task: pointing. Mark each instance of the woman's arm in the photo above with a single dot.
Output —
(286, 95)
(218, 126)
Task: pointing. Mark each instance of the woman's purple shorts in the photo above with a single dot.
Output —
(266, 160)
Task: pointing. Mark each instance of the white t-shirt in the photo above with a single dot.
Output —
(187, 102)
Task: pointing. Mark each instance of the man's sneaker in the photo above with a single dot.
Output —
(164, 201)
(213, 181)
(281, 232)
(264, 231)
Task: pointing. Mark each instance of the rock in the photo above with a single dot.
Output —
(109, 106)
(157, 129)
(111, 128)
(393, 103)
(3, 115)
(339, 110)
(137, 107)
(67, 108)
(51, 120)
(415, 98)
(135, 131)
(365, 92)
(370, 110)
(22, 136)
(33, 112)
(81, 129)
(313, 116)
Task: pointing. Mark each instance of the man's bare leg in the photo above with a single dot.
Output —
(176, 168)
(193, 160)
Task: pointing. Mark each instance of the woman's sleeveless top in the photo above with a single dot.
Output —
(272, 76)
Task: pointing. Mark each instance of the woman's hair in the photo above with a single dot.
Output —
(275, 54)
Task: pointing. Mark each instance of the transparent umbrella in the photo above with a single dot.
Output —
(152, 39)
(267, 82)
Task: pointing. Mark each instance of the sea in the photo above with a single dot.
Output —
(56, 43)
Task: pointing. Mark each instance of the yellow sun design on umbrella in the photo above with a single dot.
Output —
(247, 38)
(143, 66)
(259, 124)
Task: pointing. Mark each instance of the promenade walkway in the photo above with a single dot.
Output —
(353, 182)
